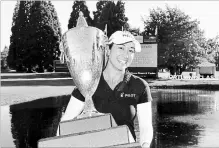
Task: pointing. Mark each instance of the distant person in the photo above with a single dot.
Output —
(119, 92)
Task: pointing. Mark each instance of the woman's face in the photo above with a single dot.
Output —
(121, 55)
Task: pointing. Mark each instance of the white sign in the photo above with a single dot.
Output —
(147, 57)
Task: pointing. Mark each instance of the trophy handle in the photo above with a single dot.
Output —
(105, 58)
(62, 55)
(105, 30)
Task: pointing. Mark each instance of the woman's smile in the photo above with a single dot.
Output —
(122, 61)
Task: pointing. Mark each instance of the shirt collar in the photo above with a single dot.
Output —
(125, 80)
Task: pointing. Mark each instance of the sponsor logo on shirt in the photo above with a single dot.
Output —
(125, 95)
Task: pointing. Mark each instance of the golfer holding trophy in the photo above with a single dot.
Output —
(98, 67)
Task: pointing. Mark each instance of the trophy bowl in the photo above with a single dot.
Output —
(84, 49)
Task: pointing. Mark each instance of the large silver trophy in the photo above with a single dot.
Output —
(83, 47)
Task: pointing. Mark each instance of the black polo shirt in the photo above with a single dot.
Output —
(122, 101)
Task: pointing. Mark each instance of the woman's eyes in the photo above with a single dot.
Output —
(132, 51)
(122, 48)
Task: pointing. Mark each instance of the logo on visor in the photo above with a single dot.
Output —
(123, 95)
(127, 35)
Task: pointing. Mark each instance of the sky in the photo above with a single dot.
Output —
(207, 12)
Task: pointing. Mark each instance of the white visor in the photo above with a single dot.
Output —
(121, 37)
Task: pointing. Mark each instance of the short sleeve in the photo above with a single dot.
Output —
(77, 94)
(146, 95)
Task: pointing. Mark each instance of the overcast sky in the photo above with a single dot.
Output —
(207, 12)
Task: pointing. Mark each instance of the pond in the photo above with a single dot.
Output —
(181, 118)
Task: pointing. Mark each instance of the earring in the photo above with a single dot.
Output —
(108, 53)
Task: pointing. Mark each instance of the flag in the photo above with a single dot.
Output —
(156, 29)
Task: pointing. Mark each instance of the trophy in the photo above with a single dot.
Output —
(83, 47)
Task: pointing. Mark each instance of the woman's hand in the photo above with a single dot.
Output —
(145, 145)
(73, 109)
(144, 112)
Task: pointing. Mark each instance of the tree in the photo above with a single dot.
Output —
(55, 38)
(122, 19)
(135, 31)
(179, 38)
(76, 8)
(4, 55)
(19, 35)
(114, 16)
(216, 50)
(35, 36)
(211, 48)
(99, 5)
(44, 37)
(12, 49)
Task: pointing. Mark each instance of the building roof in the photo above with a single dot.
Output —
(206, 64)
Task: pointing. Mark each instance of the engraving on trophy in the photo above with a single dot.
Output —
(84, 50)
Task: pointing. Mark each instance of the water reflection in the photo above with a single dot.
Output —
(172, 134)
(34, 120)
(185, 102)
(181, 118)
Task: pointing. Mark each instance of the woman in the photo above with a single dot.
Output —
(119, 92)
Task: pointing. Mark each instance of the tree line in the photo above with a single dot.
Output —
(181, 42)
(34, 42)
(36, 34)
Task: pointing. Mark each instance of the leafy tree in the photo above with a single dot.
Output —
(211, 48)
(180, 38)
(216, 49)
(35, 36)
(76, 8)
(135, 31)
(44, 37)
(12, 49)
(114, 16)
(99, 5)
(4, 55)
(122, 19)
(19, 35)
(56, 34)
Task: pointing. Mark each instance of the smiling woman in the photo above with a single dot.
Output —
(119, 92)
(121, 55)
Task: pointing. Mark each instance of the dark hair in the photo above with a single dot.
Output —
(106, 62)
(110, 46)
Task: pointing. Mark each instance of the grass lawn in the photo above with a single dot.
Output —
(23, 87)
(35, 75)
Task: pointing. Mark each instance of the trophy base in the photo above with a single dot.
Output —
(86, 114)
(96, 138)
(87, 124)
(95, 131)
